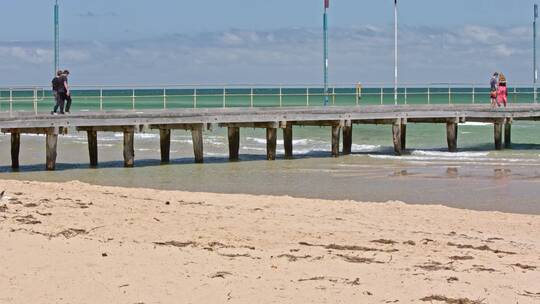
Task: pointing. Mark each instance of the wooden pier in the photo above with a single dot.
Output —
(339, 120)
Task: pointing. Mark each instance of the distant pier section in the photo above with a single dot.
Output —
(339, 120)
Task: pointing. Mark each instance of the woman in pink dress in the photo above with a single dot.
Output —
(502, 91)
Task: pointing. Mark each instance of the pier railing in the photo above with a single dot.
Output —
(137, 97)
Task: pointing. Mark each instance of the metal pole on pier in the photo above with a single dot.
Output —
(534, 53)
(56, 37)
(325, 38)
(395, 53)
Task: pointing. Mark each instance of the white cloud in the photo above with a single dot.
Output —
(364, 54)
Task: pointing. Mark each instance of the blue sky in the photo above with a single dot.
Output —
(265, 41)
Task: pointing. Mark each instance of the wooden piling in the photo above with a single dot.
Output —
(271, 143)
(336, 130)
(347, 140)
(15, 148)
(396, 134)
(165, 145)
(51, 145)
(404, 136)
(452, 135)
(508, 135)
(234, 143)
(498, 135)
(288, 141)
(129, 148)
(92, 147)
(197, 136)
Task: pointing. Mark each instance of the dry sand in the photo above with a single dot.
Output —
(78, 243)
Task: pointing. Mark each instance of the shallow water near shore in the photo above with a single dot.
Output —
(474, 178)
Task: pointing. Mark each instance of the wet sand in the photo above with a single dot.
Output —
(78, 243)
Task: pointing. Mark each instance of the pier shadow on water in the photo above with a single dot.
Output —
(144, 163)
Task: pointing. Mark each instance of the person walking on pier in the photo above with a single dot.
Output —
(493, 91)
(502, 91)
(68, 94)
(60, 89)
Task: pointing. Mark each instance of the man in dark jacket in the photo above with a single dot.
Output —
(60, 90)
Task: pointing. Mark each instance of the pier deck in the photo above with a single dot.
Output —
(340, 119)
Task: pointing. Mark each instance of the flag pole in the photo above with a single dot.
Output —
(325, 38)
(534, 54)
(56, 37)
(395, 53)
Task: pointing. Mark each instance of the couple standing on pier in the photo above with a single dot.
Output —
(499, 91)
(61, 92)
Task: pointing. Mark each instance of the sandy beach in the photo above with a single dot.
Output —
(79, 243)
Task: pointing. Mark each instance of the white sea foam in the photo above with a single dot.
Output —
(459, 157)
(475, 124)
(256, 140)
(366, 148)
(182, 141)
(139, 135)
(147, 150)
(448, 154)
(146, 135)
(302, 141)
(216, 154)
(253, 148)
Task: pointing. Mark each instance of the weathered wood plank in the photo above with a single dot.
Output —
(29, 130)
(336, 130)
(271, 143)
(319, 123)
(396, 136)
(452, 135)
(15, 148)
(255, 125)
(234, 143)
(403, 136)
(347, 140)
(508, 135)
(260, 117)
(92, 147)
(498, 135)
(129, 148)
(165, 145)
(105, 128)
(288, 141)
(198, 146)
(51, 143)
(175, 126)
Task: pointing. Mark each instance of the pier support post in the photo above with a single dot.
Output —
(508, 134)
(234, 143)
(396, 134)
(288, 141)
(92, 147)
(129, 149)
(197, 136)
(165, 145)
(51, 145)
(15, 148)
(336, 130)
(498, 135)
(347, 140)
(452, 135)
(271, 142)
(403, 136)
